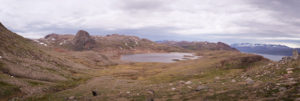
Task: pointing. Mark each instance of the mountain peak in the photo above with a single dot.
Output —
(81, 33)
(271, 49)
(83, 41)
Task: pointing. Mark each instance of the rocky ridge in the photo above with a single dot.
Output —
(199, 45)
(83, 41)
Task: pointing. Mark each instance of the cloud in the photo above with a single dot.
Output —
(211, 20)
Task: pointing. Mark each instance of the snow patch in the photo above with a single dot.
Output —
(258, 45)
(41, 43)
(63, 42)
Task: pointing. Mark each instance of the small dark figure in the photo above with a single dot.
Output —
(151, 96)
(150, 99)
(94, 93)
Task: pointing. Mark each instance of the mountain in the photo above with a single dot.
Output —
(69, 68)
(83, 41)
(21, 58)
(271, 49)
(110, 44)
(198, 45)
(24, 64)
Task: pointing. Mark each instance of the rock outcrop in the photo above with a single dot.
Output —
(295, 54)
(83, 41)
(52, 36)
(286, 59)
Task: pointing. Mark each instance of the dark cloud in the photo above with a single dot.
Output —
(281, 7)
(284, 10)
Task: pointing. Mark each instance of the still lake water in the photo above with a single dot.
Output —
(170, 57)
(158, 57)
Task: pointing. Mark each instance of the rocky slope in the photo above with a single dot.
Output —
(21, 58)
(83, 41)
(114, 44)
(24, 64)
(207, 78)
(251, 78)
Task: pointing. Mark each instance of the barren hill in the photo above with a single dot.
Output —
(199, 45)
(23, 64)
(109, 44)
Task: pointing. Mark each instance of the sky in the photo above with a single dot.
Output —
(229, 21)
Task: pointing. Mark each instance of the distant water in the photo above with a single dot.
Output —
(271, 57)
(158, 57)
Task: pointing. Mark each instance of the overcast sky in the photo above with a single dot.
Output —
(230, 21)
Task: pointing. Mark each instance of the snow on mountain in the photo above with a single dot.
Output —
(271, 49)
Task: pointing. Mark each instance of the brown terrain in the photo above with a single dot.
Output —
(88, 68)
(200, 45)
(113, 45)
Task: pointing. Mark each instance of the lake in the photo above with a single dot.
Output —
(158, 57)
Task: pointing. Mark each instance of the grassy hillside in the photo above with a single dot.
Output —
(192, 80)
(26, 69)
(198, 46)
(166, 81)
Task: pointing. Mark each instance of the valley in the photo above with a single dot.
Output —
(81, 67)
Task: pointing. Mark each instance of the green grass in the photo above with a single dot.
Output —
(35, 83)
(1, 66)
(8, 90)
(58, 87)
(157, 76)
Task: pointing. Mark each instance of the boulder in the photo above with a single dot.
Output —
(249, 81)
(71, 97)
(199, 88)
(295, 54)
(188, 82)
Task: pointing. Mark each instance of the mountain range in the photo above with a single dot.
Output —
(271, 49)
